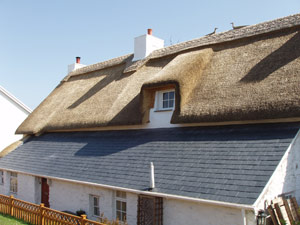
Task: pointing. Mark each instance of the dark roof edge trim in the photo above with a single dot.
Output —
(144, 127)
(157, 194)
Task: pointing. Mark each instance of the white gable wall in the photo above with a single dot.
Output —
(296, 166)
(286, 177)
(11, 116)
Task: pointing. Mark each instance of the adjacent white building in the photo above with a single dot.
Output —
(12, 113)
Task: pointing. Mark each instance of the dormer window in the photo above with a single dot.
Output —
(168, 100)
(165, 100)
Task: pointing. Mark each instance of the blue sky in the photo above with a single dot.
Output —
(38, 39)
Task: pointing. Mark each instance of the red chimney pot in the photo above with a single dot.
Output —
(149, 31)
(78, 59)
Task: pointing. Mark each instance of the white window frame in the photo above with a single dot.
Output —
(121, 198)
(95, 206)
(13, 182)
(159, 100)
(1, 177)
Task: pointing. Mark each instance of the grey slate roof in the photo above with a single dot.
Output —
(229, 163)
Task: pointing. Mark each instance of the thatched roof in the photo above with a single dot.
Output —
(240, 75)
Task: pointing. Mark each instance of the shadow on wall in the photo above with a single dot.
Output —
(277, 59)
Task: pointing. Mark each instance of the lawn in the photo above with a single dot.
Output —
(8, 220)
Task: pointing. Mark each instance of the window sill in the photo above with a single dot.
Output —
(163, 110)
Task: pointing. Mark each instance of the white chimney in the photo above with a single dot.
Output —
(145, 44)
(152, 181)
(76, 65)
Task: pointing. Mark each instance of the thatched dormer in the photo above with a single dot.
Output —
(240, 76)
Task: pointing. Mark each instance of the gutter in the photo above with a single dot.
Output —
(138, 192)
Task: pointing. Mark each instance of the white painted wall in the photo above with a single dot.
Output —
(4, 189)
(286, 177)
(73, 197)
(160, 119)
(177, 212)
(11, 116)
(295, 164)
(26, 187)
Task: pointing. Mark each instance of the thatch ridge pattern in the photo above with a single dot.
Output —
(101, 65)
(248, 31)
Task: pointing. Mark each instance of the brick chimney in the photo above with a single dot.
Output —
(145, 44)
(75, 65)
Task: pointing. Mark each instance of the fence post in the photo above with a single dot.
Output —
(11, 205)
(83, 218)
(42, 214)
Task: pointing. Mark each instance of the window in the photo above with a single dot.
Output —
(121, 205)
(168, 99)
(95, 205)
(1, 177)
(13, 182)
(165, 100)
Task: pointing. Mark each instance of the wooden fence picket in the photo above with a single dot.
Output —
(39, 214)
(288, 210)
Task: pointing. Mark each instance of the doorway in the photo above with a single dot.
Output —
(150, 210)
(45, 192)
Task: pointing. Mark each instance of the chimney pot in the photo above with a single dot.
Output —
(75, 65)
(149, 31)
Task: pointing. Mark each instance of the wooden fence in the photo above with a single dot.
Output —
(39, 214)
(284, 211)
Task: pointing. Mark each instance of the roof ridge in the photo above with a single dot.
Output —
(99, 65)
(229, 35)
(233, 34)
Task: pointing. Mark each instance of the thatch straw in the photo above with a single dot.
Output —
(248, 80)
(253, 78)
(185, 71)
(101, 98)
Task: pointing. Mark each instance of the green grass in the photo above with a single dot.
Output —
(8, 220)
